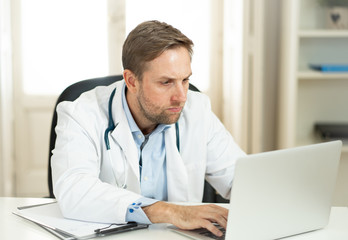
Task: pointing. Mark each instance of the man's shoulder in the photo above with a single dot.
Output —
(99, 94)
(95, 99)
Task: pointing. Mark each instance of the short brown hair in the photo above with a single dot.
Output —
(149, 40)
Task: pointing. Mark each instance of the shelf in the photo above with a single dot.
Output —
(309, 74)
(323, 33)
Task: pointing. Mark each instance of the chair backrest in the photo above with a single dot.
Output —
(71, 93)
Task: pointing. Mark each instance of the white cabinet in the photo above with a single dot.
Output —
(307, 96)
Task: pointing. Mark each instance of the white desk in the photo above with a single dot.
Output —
(14, 227)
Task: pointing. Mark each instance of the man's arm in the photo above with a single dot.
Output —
(188, 217)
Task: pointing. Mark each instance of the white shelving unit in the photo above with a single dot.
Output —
(308, 96)
(310, 74)
(322, 33)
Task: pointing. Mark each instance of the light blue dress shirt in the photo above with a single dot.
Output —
(152, 166)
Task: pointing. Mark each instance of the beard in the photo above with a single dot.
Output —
(155, 113)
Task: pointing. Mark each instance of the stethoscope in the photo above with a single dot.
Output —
(111, 127)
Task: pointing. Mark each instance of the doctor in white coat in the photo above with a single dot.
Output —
(125, 151)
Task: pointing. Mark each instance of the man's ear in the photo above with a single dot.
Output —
(131, 80)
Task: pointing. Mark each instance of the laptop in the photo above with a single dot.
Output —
(281, 193)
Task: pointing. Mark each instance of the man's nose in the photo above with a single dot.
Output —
(180, 93)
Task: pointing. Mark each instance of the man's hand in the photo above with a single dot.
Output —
(188, 217)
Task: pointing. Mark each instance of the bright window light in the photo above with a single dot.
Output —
(62, 42)
(190, 17)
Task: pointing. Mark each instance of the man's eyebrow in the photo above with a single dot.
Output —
(164, 77)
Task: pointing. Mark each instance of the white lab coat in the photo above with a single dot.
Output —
(83, 177)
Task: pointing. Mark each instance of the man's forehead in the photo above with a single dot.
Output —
(171, 64)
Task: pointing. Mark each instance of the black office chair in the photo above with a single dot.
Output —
(71, 93)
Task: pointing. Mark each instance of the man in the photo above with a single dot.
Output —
(124, 151)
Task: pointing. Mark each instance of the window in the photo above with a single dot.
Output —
(62, 42)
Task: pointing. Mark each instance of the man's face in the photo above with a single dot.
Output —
(163, 89)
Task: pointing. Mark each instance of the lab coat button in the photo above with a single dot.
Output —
(145, 178)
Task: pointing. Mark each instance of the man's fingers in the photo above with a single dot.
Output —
(211, 214)
(212, 228)
(216, 214)
(219, 220)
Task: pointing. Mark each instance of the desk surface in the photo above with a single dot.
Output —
(14, 227)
